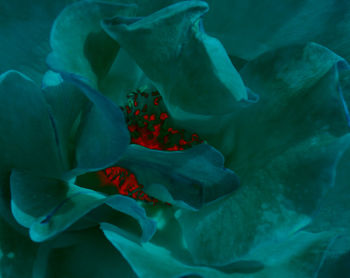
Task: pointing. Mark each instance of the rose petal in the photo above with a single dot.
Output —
(150, 260)
(247, 28)
(103, 135)
(124, 77)
(191, 69)
(274, 202)
(24, 32)
(130, 207)
(299, 98)
(28, 139)
(78, 43)
(49, 206)
(193, 177)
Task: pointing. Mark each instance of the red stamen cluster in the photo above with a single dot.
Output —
(126, 183)
(150, 126)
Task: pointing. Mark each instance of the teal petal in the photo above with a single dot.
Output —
(26, 127)
(124, 77)
(333, 205)
(49, 206)
(78, 43)
(151, 261)
(69, 107)
(299, 98)
(130, 207)
(190, 178)
(165, 45)
(24, 33)
(103, 135)
(274, 202)
(250, 28)
(57, 205)
(298, 256)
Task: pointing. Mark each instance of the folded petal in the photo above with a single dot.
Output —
(151, 261)
(28, 139)
(275, 201)
(68, 106)
(49, 206)
(333, 214)
(190, 178)
(78, 43)
(299, 98)
(190, 69)
(124, 77)
(249, 28)
(102, 135)
(130, 207)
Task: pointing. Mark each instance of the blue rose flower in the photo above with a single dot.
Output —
(264, 87)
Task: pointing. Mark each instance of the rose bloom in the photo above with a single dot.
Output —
(163, 139)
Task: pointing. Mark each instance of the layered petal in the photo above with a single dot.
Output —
(286, 151)
(78, 43)
(190, 178)
(333, 215)
(190, 69)
(247, 28)
(142, 257)
(27, 127)
(274, 203)
(90, 128)
(300, 97)
(49, 206)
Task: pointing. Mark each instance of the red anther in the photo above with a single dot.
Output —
(172, 131)
(132, 128)
(156, 100)
(183, 142)
(163, 116)
(150, 133)
(144, 109)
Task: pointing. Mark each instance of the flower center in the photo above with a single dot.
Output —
(150, 126)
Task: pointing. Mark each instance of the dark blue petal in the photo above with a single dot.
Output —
(103, 135)
(191, 70)
(195, 177)
(49, 206)
(131, 207)
(79, 45)
(28, 138)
